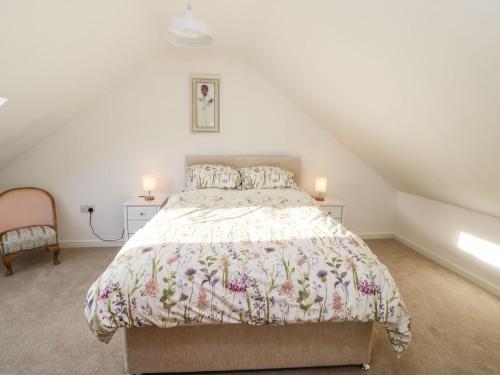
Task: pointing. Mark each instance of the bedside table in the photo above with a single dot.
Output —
(137, 212)
(334, 209)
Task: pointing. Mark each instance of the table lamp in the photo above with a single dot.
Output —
(320, 188)
(148, 184)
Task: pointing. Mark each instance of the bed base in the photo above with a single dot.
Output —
(225, 347)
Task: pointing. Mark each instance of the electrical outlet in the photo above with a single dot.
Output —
(85, 208)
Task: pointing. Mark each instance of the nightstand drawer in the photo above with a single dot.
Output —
(141, 213)
(135, 225)
(137, 212)
(333, 211)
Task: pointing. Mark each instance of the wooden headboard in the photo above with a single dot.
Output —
(291, 163)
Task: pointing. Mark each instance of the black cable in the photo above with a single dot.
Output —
(95, 234)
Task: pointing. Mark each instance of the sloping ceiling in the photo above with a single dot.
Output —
(412, 87)
(59, 56)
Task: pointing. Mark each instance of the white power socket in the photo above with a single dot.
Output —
(85, 208)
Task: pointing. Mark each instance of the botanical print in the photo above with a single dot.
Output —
(204, 176)
(206, 100)
(265, 177)
(245, 256)
(205, 104)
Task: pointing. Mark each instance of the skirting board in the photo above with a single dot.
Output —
(449, 265)
(366, 236)
(94, 243)
(90, 243)
(375, 236)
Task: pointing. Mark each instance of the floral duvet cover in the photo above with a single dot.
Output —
(262, 256)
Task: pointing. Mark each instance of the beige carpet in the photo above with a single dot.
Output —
(456, 325)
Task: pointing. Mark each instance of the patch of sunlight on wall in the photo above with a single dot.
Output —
(486, 251)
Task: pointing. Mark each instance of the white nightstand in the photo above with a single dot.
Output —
(137, 212)
(332, 208)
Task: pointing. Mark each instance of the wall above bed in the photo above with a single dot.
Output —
(143, 127)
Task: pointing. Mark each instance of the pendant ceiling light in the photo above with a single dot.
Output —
(188, 31)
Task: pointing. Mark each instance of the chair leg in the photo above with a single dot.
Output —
(7, 260)
(55, 251)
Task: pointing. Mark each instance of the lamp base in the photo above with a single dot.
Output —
(149, 198)
(321, 199)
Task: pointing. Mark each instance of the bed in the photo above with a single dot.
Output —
(245, 279)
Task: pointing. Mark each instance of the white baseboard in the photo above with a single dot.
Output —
(366, 236)
(449, 265)
(375, 236)
(97, 243)
(90, 243)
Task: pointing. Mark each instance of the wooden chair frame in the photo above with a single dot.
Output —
(54, 249)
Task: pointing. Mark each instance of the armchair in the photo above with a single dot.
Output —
(27, 222)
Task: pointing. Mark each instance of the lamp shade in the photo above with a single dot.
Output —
(320, 185)
(189, 31)
(149, 182)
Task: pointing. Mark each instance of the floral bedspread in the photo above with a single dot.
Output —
(260, 256)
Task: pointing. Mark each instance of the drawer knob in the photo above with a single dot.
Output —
(142, 213)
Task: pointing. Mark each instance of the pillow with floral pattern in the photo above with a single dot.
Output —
(265, 177)
(206, 176)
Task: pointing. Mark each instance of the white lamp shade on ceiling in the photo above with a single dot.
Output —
(188, 31)
(149, 182)
(320, 184)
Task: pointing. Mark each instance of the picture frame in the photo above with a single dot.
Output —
(205, 104)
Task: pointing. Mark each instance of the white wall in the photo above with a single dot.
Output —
(434, 228)
(143, 127)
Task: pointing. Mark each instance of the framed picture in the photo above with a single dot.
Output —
(205, 104)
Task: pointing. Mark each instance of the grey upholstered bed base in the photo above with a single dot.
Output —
(223, 347)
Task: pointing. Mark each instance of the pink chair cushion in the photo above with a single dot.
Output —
(24, 208)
